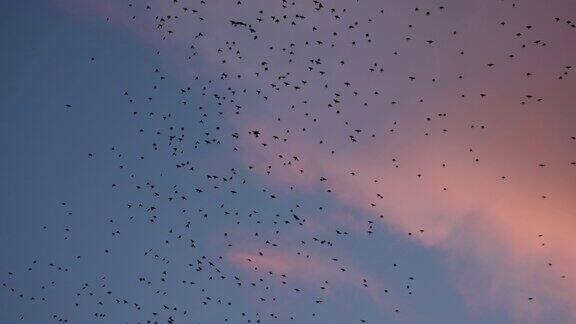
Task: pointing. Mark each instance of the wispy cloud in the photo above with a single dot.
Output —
(499, 235)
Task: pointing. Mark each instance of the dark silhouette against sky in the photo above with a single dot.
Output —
(269, 161)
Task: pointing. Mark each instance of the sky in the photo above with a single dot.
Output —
(259, 161)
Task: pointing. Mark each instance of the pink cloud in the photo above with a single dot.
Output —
(308, 272)
(488, 227)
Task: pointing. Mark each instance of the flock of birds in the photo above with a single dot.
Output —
(275, 91)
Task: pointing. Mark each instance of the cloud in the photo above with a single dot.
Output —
(488, 227)
(307, 272)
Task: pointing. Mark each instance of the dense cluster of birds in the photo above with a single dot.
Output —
(275, 89)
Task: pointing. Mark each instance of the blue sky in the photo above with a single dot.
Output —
(46, 60)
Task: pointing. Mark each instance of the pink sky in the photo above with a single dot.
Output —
(491, 230)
